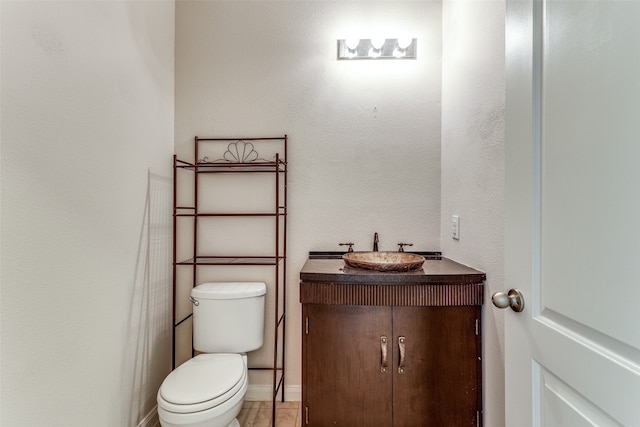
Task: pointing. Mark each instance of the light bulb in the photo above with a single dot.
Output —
(404, 42)
(377, 43)
(352, 44)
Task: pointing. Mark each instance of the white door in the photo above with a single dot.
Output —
(573, 213)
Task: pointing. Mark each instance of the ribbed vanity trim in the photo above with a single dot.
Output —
(403, 295)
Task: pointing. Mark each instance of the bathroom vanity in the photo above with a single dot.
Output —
(391, 349)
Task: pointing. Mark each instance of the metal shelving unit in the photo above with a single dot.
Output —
(236, 156)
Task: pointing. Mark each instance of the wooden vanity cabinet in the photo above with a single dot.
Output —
(345, 382)
(343, 385)
(441, 384)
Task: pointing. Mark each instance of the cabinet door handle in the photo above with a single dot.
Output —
(383, 349)
(401, 341)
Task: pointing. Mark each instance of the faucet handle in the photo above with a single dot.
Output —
(402, 245)
(350, 244)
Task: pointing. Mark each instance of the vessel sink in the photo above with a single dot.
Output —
(383, 261)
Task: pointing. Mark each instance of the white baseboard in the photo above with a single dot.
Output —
(264, 392)
(151, 420)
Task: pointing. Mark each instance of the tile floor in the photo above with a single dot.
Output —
(258, 414)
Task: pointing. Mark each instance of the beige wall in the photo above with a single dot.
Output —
(364, 136)
(87, 114)
(473, 164)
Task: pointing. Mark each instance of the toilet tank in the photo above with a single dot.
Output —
(228, 317)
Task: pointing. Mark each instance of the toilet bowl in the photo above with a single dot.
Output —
(206, 391)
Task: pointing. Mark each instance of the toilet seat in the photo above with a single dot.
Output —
(202, 383)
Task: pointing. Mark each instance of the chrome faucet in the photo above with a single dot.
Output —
(375, 242)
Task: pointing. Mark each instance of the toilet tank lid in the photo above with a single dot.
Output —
(229, 290)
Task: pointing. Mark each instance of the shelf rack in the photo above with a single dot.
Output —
(237, 156)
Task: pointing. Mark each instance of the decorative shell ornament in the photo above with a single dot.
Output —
(240, 152)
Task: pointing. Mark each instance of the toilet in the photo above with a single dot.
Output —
(208, 390)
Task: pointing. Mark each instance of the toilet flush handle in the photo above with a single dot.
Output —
(194, 301)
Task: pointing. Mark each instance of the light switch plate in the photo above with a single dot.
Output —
(455, 227)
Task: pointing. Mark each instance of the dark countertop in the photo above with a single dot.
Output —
(436, 270)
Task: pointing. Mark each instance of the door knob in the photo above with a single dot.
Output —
(513, 299)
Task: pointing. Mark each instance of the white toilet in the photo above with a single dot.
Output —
(208, 390)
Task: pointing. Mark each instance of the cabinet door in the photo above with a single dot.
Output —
(343, 381)
(439, 385)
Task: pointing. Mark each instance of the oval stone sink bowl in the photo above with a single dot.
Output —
(383, 261)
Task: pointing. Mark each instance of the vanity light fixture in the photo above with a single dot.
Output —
(402, 48)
